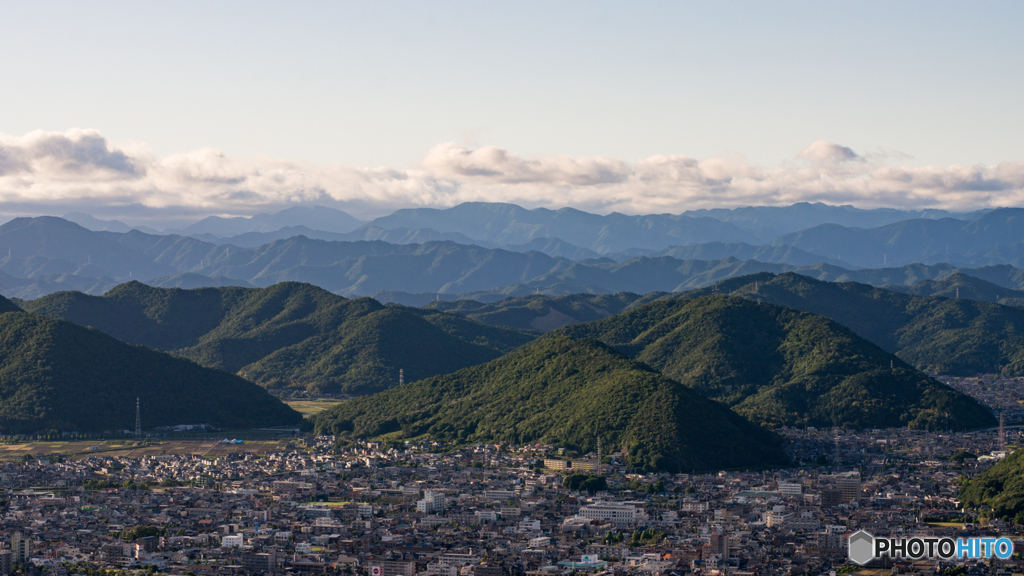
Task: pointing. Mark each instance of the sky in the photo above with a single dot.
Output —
(149, 111)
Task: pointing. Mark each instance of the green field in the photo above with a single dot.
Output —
(83, 449)
(311, 407)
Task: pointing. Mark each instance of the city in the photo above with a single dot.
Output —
(493, 510)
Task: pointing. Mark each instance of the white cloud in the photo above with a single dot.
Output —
(825, 152)
(47, 171)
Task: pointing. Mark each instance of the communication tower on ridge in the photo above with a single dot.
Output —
(138, 419)
(401, 377)
(1002, 432)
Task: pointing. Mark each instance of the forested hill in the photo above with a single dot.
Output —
(8, 306)
(289, 335)
(55, 375)
(1000, 488)
(567, 393)
(780, 366)
(540, 313)
(943, 335)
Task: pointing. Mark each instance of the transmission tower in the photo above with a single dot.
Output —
(401, 377)
(138, 420)
(1002, 433)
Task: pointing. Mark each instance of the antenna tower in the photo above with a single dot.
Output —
(138, 420)
(1002, 433)
(598, 454)
(401, 377)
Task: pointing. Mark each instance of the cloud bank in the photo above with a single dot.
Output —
(81, 169)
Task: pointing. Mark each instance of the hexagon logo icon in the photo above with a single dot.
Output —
(862, 547)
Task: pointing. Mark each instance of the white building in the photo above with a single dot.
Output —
(791, 489)
(613, 512)
(432, 502)
(499, 494)
(529, 525)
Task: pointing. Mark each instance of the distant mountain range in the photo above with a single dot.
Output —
(494, 225)
(313, 217)
(769, 222)
(417, 263)
(960, 285)
(995, 238)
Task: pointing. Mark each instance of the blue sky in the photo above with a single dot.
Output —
(381, 84)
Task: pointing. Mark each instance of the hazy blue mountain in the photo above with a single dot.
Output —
(741, 251)
(51, 248)
(95, 224)
(554, 247)
(313, 217)
(960, 285)
(409, 236)
(189, 280)
(397, 236)
(771, 221)
(49, 245)
(995, 238)
(508, 224)
(43, 284)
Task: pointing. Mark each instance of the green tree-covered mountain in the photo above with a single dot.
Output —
(55, 375)
(780, 366)
(567, 393)
(540, 313)
(1001, 488)
(289, 335)
(942, 335)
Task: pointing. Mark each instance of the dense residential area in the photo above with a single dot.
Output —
(492, 510)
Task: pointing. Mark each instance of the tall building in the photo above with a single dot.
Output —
(432, 502)
(719, 544)
(848, 485)
(6, 565)
(831, 497)
(21, 548)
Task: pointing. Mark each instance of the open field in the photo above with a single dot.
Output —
(311, 407)
(83, 449)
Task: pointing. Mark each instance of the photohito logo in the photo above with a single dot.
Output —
(864, 547)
